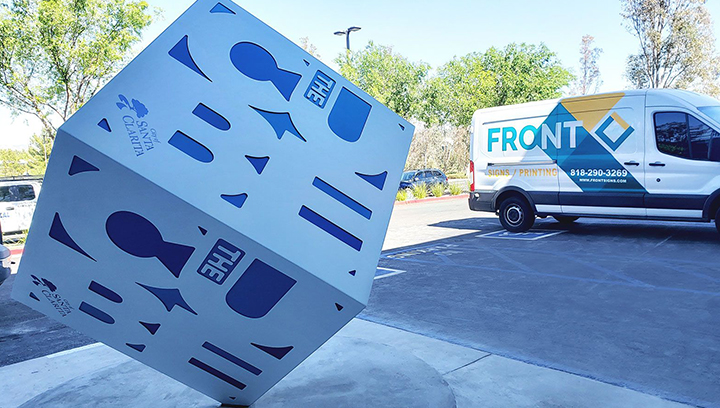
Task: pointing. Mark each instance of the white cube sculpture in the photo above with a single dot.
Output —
(217, 210)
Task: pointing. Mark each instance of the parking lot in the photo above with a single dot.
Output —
(631, 303)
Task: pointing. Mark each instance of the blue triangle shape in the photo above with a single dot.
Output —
(202, 230)
(138, 347)
(105, 125)
(60, 234)
(151, 327)
(258, 162)
(377, 180)
(79, 165)
(236, 200)
(352, 273)
(220, 8)
(277, 352)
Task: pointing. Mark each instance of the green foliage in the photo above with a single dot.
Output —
(13, 162)
(437, 190)
(419, 191)
(55, 54)
(455, 189)
(456, 175)
(39, 152)
(516, 74)
(402, 195)
(387, 76)
(677, 45)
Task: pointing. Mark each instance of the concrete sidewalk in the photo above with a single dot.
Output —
(365, 365)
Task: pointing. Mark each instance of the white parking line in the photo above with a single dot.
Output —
(532, 235)
(390, 269)
(387, 275)
(393, 272)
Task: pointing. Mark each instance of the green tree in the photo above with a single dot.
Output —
(516, 74)
(387, 76)
(39, 152)
(677, 44)
(55, 54)
(13, 162)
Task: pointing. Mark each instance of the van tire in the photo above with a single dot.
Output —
(717, 219)
(563, 219)
(516, 214)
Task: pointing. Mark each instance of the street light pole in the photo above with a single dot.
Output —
(346, 33)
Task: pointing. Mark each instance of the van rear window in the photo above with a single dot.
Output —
(24, 192)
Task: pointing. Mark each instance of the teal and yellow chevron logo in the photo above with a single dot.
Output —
(623, 126)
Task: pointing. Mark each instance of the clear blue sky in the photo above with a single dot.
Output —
(429, 31)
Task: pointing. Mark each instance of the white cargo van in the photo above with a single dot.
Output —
(645, 154)
(17, 204)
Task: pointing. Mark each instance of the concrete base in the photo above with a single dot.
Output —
(345, 372)
(365, 365)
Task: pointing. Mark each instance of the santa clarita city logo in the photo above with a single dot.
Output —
(49, 290)
(142, 137)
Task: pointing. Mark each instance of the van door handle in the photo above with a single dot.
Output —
(657, 164)
(632, 163)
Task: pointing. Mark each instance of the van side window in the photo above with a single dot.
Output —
(702, 137)
(671, 130)
(17, 193)
(682, 135)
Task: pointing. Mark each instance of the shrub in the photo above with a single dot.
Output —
(456, 175)
(402, 195)
(438, 190)
(455, 189)
(419, 191)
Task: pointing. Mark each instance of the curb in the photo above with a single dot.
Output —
(427, 200)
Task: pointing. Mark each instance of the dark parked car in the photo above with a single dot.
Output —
(428, 176)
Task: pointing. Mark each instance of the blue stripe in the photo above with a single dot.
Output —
(342, 198)
(212, 371)
(105, 292)
(231, 358)
(332, 229)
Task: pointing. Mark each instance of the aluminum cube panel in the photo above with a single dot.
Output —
(218, 209)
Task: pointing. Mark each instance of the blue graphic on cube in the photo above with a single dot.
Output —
(240, 180)
(320, 89)
(221, 261)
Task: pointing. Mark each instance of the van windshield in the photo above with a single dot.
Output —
(23, 192)
(712, 111)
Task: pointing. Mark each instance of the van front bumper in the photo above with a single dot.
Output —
(482, 201)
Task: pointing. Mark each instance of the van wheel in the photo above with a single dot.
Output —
(516, 215)
(562, 219)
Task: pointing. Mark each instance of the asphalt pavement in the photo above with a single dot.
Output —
(630, 303)
(26, 334)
